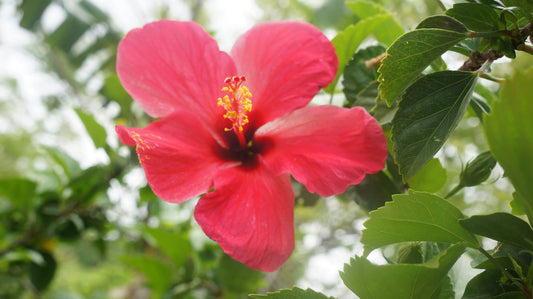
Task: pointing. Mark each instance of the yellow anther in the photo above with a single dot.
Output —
(237, 102)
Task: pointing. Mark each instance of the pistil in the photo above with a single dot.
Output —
(237, 102)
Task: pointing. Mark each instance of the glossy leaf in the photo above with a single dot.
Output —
(416, 216)
(384, 27)
(400, 281)
(294, 293)
(429, 111)
(95, 130)
(501, 227)
(442, 22)
(508, 129)
(477, 17)
(431, 178)
(409, 55)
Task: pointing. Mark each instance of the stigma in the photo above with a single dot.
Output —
(237, 102)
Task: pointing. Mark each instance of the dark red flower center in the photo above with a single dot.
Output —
(240, 135)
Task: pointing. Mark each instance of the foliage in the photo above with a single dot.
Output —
(64, 213)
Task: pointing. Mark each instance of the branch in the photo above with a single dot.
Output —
(478, 59)
(33, 233)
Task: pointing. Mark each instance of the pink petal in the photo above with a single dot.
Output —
(326, 148)
(169, 65)
(176, 155)
(286, 64)
(250, 215)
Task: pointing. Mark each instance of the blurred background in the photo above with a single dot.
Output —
(77, 219)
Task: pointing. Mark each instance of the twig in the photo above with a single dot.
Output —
(477, 59)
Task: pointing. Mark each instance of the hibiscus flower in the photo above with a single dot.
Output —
(236, 126)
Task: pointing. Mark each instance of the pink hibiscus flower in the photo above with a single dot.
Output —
(239, 123)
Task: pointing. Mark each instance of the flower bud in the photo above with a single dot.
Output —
(478, 170)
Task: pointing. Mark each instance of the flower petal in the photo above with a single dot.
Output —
(169, 65)
(326, 148)
(286, 64)
(250, 215)
(176, 154)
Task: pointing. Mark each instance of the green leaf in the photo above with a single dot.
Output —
(508, 129)
(429, 111)
(486, 94)
(158, 274)
(330, 14)
(366, 9)
(359, 82)
(373, 191)
(87, 184)
(516, 206)
(236, 278)
(480, 107)
(19, 192)
(501, 227)
(409, 55)
(431, 178)
(68, 33)
(475, 16)
(32, 10)
(42, 274)
(503, 254)
(71, 228)
(527, 5)
(175, 245)
(387, 29)
(22, 255)
(294, 293)
(442, 22)
(69, 165)
(95, 130)
(384, 27)
(113, 91)
(490, 284)
(416, 216)
(447, 288)
(367, 280)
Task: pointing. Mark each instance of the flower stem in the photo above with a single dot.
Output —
(454, 190)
